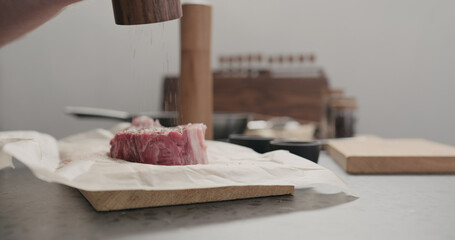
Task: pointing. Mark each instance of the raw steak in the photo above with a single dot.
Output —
(148, 142)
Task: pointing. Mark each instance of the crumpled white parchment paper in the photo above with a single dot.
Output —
(81, 161)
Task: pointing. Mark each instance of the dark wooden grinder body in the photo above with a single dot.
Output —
(133, 12)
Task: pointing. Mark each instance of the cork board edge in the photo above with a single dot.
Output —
(401, 165)
(358, 164)
(132, 199)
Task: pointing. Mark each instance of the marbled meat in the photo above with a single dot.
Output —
(146, 141)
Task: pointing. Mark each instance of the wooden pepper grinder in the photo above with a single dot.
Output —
(133, 12)
(196, 80)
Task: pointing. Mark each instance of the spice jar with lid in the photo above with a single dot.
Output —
(327, 128)
(343, 118)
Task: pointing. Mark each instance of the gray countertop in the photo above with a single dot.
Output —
(389, 207)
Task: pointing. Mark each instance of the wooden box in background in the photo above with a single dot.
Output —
(301, 98)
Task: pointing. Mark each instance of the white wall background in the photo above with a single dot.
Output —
(395, 56)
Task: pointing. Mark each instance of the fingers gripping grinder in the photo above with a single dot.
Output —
(195, 98)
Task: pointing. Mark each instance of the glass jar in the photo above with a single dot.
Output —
(327, 126)
(343, 118)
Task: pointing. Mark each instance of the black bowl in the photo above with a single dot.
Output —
(258, 144)
(308, 150)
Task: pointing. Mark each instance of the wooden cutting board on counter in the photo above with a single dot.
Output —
(120, 200)
(374, 155)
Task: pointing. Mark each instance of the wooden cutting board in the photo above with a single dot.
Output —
(119, 200)
(373, 155)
